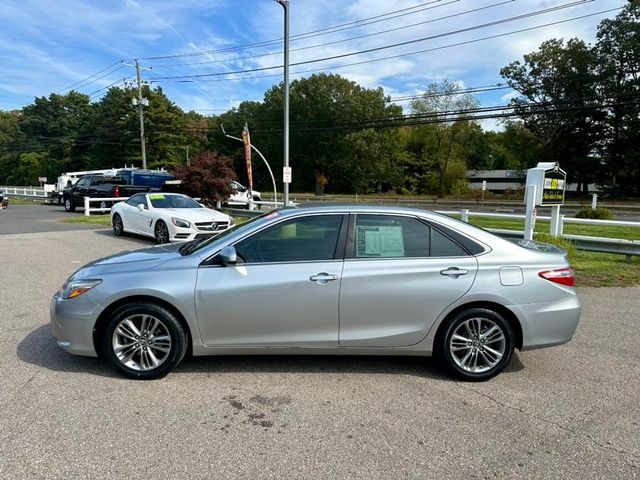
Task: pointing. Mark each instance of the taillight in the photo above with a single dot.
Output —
(563, 276)
(116, 191)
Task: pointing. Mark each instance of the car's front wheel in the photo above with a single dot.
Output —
(476, 344)
(118, 226)
(161, 232)
(144, 341)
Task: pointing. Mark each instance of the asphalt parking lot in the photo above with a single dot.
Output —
(37, 218)
(567, 412)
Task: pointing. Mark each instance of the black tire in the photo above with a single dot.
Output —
(453, 359)
(69, 204)
(117, 225)
(161, 232)
(177, 349)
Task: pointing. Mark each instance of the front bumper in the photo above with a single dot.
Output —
(72, 322)
(181, 234)
(548, 324)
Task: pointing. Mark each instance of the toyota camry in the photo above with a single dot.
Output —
(352, 280)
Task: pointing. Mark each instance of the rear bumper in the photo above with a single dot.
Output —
(72, 322)
(548, 324)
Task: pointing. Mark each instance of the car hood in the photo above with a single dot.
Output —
(197, 214)
(133, 260)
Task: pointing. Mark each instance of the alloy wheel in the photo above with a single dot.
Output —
(141, 342)
(117, 225)
(162, 233)
(477, 345)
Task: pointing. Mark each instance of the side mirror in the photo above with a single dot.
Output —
(140, 207)
(228, 256)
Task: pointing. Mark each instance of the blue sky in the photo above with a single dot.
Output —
(46, 46)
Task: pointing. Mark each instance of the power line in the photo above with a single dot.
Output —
(89, 77)
(407, 42)
(303, 35)
(389, 57)
(308, 47)
(92, 94)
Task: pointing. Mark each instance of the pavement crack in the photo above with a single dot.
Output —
(575, 433)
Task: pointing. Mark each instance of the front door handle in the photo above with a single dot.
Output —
(454, 272)
(323, 277)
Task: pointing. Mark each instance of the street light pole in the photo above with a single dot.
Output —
(273, 180)
(285, 5)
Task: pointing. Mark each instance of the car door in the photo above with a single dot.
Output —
(399, 274)
(128, 211)
(79, 190)
(141, 220)
(282, 292)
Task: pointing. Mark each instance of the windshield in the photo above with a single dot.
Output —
(191, 247)
(159, 200)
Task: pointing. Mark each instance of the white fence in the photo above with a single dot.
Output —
(88, 201)
(594, 244)
(29, 192)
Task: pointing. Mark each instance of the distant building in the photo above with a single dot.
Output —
(499, 181)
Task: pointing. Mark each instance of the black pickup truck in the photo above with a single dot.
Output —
(97, 186)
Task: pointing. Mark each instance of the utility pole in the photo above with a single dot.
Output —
(286, 172)
(141, 113)
(188, 160)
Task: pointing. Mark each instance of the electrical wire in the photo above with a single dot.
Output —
(90, 76)
(392, 45)
(322, 31)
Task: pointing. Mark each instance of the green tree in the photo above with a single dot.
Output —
(514, 148)
(618, 67)
(438, 145)
(61, 126)
(558, 103)
(327, 112)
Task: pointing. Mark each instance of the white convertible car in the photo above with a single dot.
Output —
(168, 217)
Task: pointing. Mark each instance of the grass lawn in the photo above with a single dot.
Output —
(92, 220)
(593, 269)
(629, 233)
(605, 270)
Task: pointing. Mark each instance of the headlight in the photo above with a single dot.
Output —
(75, 288)
(232, 221)
(178, 222)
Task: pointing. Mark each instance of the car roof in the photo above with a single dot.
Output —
(355, 208)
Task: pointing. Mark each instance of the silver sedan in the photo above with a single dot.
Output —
(352, 280)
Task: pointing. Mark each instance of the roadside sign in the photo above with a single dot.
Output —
(286, 174)
(484, 185)
(42, 179)
(550, 181)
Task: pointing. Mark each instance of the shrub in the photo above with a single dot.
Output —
(558, 242)
(208, 177)
(596, 214)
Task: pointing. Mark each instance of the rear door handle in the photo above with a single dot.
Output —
(323, 277)
(454, 272)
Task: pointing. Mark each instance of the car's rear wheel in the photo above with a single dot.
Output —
(161, 232)
(144, 341)
(69, 206)
(476, 344)
(118, 226)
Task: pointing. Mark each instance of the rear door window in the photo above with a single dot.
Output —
(394, 236)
